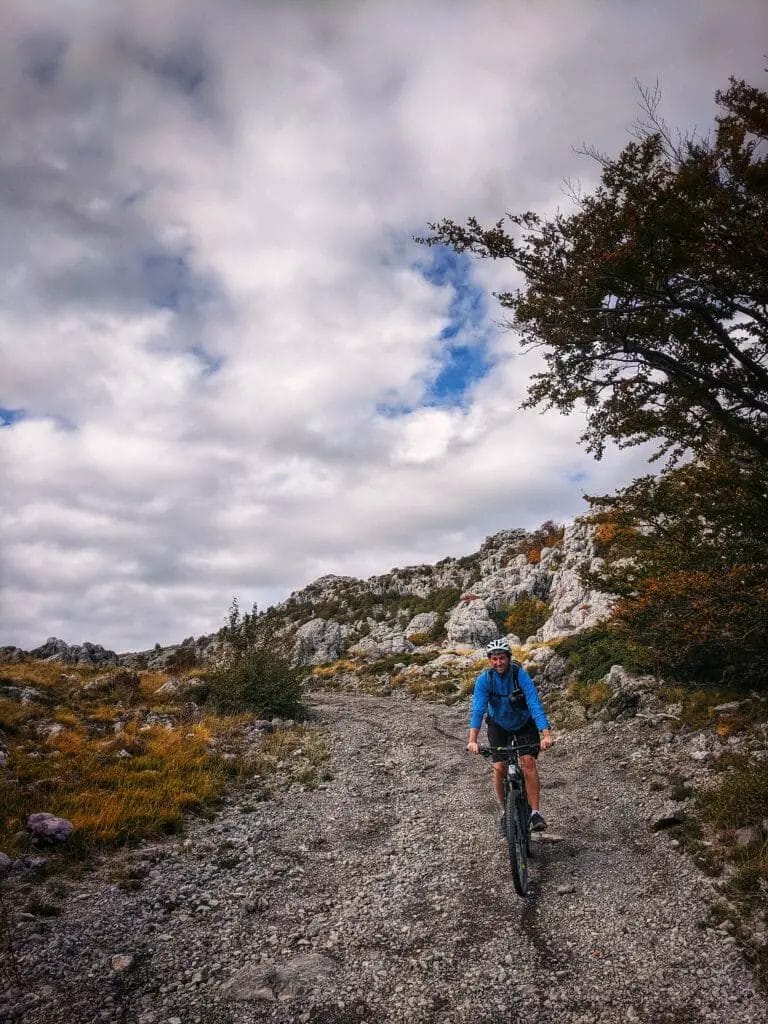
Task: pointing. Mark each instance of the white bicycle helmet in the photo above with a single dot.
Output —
(499, 646)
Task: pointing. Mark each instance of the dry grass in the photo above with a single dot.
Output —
(334, 668)
(591, 695)
(697, 707)
(113, 770)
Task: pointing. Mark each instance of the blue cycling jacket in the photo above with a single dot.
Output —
(492, 692)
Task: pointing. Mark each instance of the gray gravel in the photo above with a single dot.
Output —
(386, 897)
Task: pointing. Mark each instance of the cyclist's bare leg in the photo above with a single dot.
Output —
(532, 784)
(498, 783)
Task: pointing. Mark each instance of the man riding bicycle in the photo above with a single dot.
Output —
(507, 696)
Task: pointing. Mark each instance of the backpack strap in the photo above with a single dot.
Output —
(516, 666)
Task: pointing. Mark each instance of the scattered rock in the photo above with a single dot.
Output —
(122, 962)
(49, 828)
(748, 834)
(670, 815)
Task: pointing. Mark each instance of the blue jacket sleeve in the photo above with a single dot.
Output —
(533, 700)
(479, 701)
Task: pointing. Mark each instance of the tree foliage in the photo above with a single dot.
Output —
(686, 553)
(650, 300)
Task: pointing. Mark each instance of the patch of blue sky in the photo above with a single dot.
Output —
(10, 416)
(464, 355)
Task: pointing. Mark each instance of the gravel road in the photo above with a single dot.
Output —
(386, 897)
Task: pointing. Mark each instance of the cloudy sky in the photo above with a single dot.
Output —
(227, 369)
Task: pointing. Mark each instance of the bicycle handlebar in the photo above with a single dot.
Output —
(509, 749)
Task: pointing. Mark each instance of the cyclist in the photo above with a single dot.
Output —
(507, 696)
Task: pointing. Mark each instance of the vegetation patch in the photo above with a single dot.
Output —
(696, 707)
(592, 696)
(591, 653)
(298, 755)
(527, 615)
(122, 762)
(255, 673)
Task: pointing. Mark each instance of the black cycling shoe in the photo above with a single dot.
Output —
(503, 825)
(537, 822)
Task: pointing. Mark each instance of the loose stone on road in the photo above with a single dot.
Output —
(386, 897)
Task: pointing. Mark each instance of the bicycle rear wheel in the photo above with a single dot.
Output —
(524, 811)
(517, 843)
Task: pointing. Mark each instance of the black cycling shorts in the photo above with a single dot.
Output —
(498, 737)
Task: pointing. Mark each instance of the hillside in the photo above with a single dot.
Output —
(465, 601)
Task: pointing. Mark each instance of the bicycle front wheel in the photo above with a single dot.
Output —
(517, 843)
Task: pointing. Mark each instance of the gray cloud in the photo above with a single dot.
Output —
(209, 289)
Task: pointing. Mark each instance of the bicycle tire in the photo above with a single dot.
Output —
(525, 822)
(517, 843)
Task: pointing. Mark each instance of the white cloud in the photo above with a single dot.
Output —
(211, 291)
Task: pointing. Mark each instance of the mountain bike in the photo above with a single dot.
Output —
(517, 813)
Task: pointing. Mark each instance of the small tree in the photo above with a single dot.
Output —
(255, 673)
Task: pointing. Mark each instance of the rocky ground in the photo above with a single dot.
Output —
(385, 896)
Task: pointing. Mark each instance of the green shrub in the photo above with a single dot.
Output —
(527, 615)
(255, 674)
(591, 653)
(419, 639)
(183, 658)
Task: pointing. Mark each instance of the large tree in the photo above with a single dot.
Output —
(650, 298)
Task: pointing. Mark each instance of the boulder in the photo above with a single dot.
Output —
(49, 828)
(5, 864)
(175, 687)
(422, 624)
(317, 642)
(12, 655)
(670, 815)
(471, 623)
(574, 606)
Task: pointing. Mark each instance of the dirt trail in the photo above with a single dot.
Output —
(386, 897)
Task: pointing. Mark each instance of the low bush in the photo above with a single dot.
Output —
(261, 680)
(591, 695)
(591, 653)
(527, 615)
(255, 673)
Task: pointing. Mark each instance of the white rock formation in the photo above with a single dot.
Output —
(318, 641)
(471, 623)
(574, 606)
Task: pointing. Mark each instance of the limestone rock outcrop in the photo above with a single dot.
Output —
(76, 654)
(318, 641)
(471, 623)
(574, 606)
